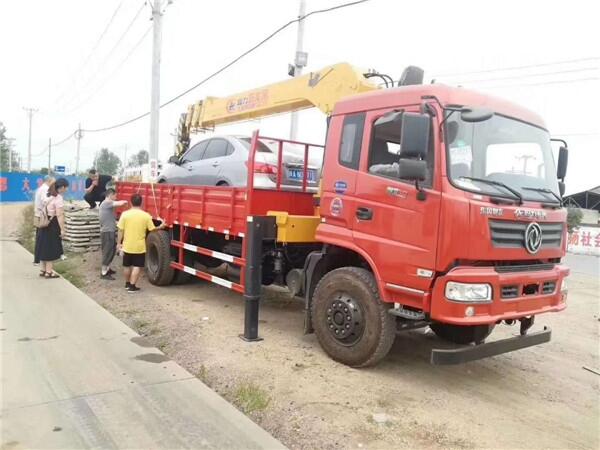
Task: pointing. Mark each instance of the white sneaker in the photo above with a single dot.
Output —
(63, 257)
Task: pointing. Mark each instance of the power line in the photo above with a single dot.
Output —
(231, 63)
(108, 55)
(106, 28)
(529, 75)
(502, 69)
(117, 68)
(578, 80)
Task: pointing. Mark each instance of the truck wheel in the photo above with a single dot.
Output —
(351, 322)
(460, 334)
(158, 258)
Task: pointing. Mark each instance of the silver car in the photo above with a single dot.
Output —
(223, 161)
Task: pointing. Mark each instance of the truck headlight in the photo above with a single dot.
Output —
(468, 292)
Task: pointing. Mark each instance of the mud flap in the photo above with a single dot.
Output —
(474, 352)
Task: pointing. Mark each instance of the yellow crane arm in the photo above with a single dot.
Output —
(321, 89)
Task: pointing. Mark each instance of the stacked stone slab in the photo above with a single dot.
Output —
(82, 230)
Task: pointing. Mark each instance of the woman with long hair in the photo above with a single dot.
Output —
(50, 245)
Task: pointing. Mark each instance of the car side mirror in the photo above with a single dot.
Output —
(563, 160)
(412, 169)
(174, 160)
(414, 135)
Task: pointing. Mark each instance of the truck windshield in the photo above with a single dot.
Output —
(501, 150)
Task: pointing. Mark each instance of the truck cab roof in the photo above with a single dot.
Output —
(447, 95)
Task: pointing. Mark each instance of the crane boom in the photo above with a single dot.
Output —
(320, 89)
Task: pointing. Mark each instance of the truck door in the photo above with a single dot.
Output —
(338, 201)
(391, 224)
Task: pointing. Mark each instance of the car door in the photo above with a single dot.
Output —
(207, 169)
(184, 172)
(391, 223)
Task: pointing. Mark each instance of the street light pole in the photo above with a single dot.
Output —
(49, 155)
(30, 112)
(300, 60)
(155, 93)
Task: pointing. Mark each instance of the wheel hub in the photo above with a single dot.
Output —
(345, 319)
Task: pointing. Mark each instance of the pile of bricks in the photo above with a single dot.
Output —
(82, 230)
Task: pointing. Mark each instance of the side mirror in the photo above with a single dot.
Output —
(414, 136)
(563, 159)
(174, 160)
(412, 169)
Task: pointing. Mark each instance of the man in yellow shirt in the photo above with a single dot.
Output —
(133, 226)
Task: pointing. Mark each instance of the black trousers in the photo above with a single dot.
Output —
(93, 197)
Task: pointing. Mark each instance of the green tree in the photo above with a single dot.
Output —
(107, 163)
(6, 150)
(574, 216)
(139, 159)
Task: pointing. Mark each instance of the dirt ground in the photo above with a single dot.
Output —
(535, 398)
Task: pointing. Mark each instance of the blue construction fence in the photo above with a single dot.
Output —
(20, 187)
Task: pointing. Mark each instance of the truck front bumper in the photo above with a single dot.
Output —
(480, 351)
(529, 295)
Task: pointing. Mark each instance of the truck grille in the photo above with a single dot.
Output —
(511, 234)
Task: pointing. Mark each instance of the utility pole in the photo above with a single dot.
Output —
(30, 113)
(155, 93)
(49, 155)
(78, 136)
(300, 61)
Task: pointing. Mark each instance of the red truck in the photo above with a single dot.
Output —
(438, 207)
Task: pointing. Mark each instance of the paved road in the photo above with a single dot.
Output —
(74, 376)
(587, 264)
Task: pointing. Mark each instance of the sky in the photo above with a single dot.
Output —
(55, 57)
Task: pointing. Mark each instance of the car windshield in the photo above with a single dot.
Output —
(484, 156)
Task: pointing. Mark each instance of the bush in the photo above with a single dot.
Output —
(574, 216)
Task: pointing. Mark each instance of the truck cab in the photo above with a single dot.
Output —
(452, 199)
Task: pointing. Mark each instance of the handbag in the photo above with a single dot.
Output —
(43, 220)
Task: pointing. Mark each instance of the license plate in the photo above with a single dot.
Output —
(298, 174)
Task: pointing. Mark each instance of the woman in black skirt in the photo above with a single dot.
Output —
(51, 236)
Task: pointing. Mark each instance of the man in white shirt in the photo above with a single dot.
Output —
(41, 194)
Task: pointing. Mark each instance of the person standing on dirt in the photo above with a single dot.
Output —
(108, 231)
(133, 226)
(41, 195)
(51, 235)
(95, 187)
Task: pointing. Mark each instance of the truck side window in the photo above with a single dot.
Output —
(384, 153)
(352, 134)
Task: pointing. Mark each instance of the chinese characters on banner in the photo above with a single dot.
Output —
(20, 187)
(585, 240)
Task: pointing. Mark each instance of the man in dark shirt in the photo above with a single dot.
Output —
(95, 188)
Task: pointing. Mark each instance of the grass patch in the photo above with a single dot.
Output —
(69, 269)
(202, 374)
(26, 229)
(250, 397)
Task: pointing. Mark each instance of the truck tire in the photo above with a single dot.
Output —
(158, 258)
(351, 322)
(462, 334)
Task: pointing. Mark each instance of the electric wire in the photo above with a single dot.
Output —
(529, 66)
(530, 75)
(117, 68)
(542, 83)
(231, 63)
(87, 60)
(105, 59)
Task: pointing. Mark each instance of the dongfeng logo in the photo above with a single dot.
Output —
(533, 237)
